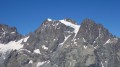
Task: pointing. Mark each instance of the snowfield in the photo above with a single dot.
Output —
(12, 45)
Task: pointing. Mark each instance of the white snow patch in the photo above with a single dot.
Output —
(4, 33)
(57, 24)
(106, 62)
(54, 39)
(113, 40)
(49, 19)
(30, 62)
(76, 27)
(96, 47)
(41, 63)
(25, 39)
(84, 40)
(2, 29)
(64, 40)
(102, 64)
(44, 47)
(74, 41)
(85, 47)
(37, 51)
(12, 32)
(108, 41)
(67, 46)
(24, 50)
(12, 45)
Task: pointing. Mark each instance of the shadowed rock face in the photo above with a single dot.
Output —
(58, 44)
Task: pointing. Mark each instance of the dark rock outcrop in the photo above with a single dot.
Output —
(8, 34)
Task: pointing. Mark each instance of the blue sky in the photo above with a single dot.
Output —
(27, 15)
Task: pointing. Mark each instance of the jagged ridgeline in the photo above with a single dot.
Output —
(60, 43)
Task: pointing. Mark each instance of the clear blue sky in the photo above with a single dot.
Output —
(27, 15)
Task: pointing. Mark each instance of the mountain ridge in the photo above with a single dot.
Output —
(63, 43)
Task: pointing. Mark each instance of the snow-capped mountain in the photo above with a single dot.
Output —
(60, 43)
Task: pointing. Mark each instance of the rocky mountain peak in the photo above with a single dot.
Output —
(90, 32)
(8, 33)
(88, 21)
(63, 43)
(6, 28)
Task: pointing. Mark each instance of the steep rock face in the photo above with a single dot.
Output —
(63, 43)
(10, 40)
(8, 34)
